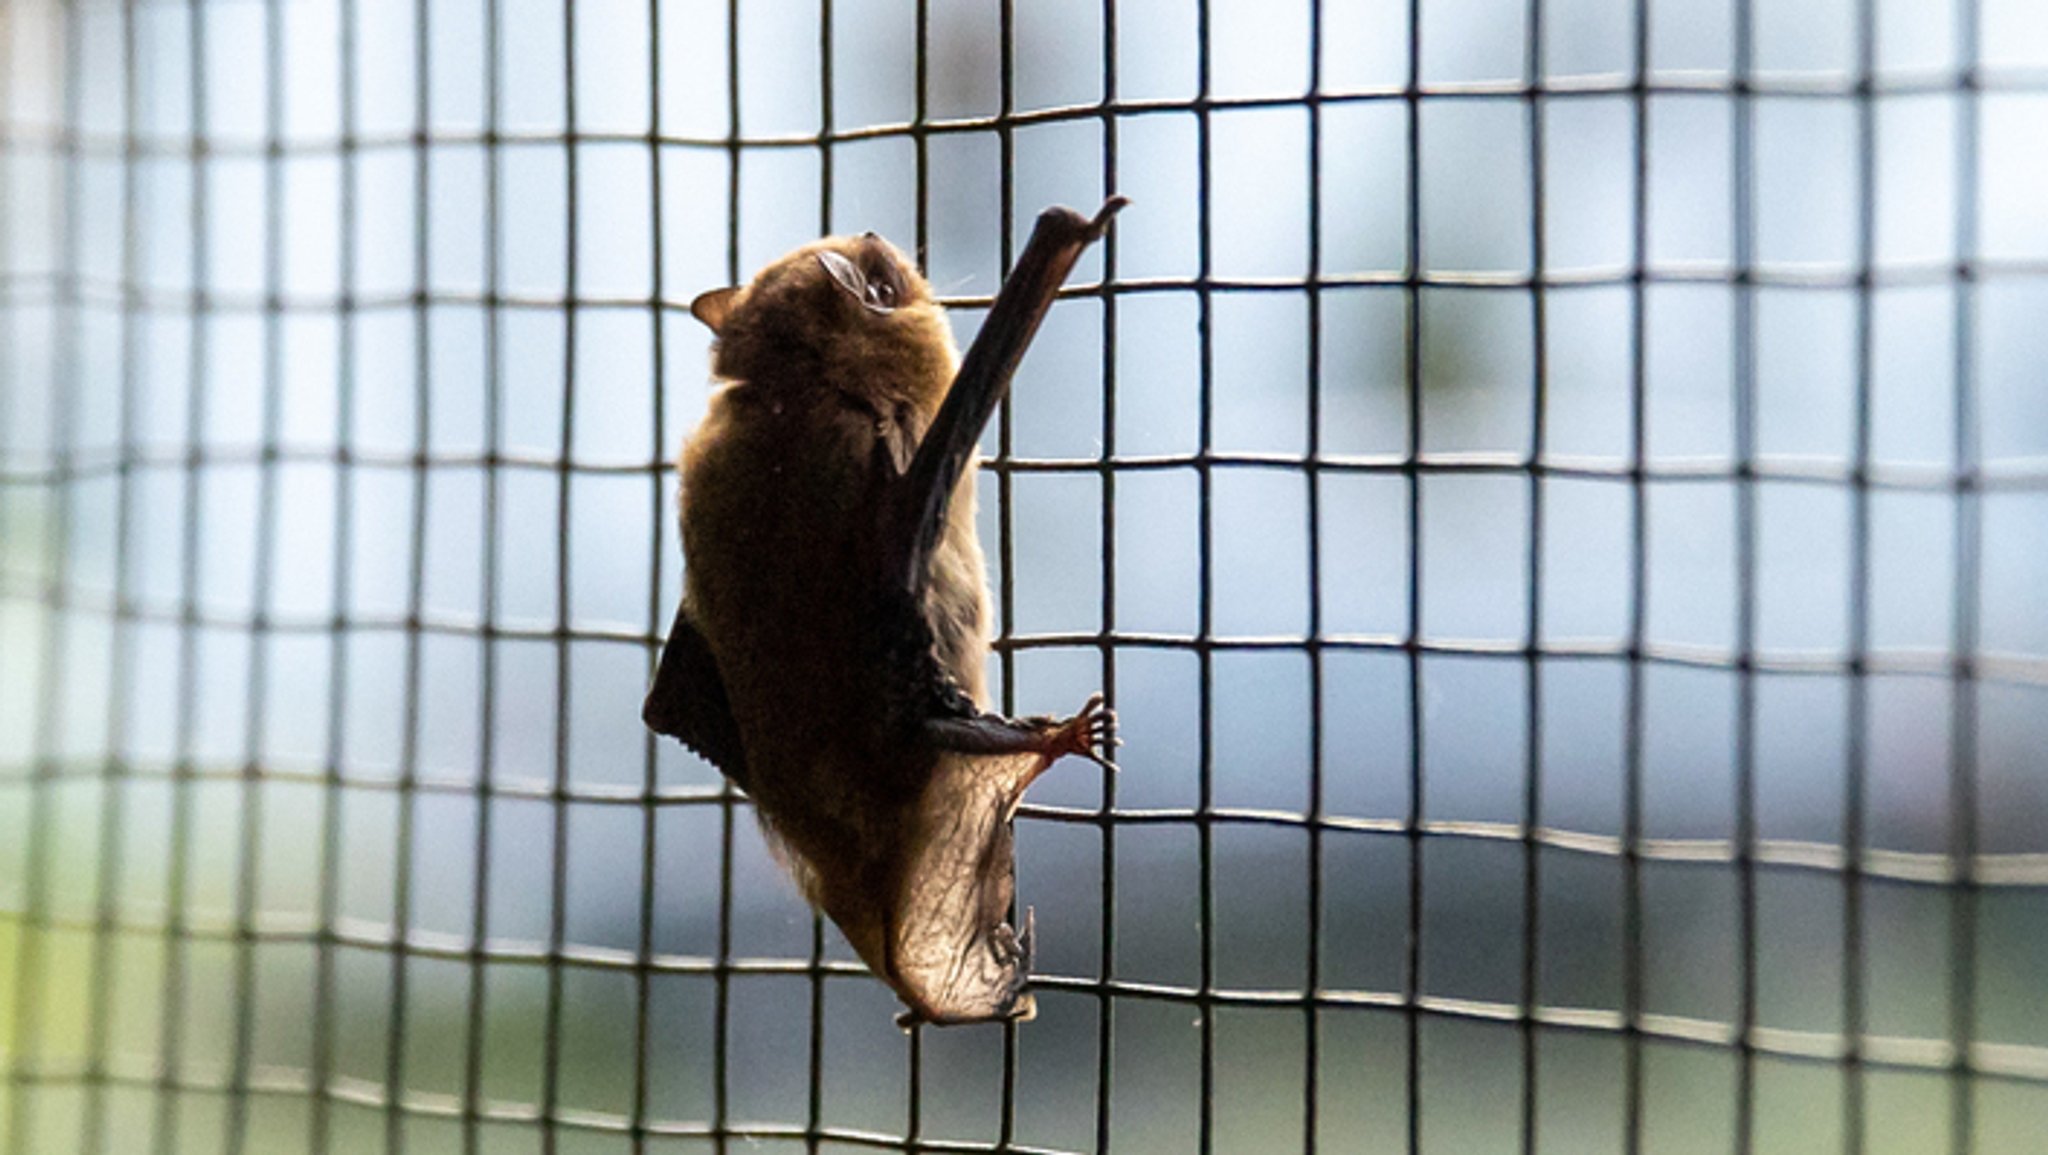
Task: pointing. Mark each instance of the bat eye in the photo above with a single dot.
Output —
(881, 294)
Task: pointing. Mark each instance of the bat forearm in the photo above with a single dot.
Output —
(991, 734)
(911, 525)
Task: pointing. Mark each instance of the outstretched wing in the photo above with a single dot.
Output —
(688, 700)
(916, 508)
(912, 512)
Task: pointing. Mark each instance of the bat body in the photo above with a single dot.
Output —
(829, 651)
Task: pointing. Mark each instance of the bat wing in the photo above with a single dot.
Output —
(913, 510)
(952, 956)
(916, 510)
(688, 700)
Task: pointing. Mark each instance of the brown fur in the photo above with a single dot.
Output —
(828, 655)
(778, 485)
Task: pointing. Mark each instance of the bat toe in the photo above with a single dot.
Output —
(1090, 733)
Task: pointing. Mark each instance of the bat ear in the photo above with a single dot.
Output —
(878, 296)
(846, 273)
(714, 307)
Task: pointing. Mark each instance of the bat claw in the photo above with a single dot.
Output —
(1084, 231)
(1090, 734)
(1100, 224)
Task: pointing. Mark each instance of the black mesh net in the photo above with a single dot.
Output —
(1555, 488)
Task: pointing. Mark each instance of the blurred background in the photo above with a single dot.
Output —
(343, 343)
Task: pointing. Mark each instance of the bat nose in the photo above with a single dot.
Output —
(869, 236)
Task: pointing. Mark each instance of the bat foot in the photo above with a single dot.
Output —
(1025, 1010)
(1012, 951)
(1090, 734)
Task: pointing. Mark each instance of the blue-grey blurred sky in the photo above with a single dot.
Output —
(1477, 347)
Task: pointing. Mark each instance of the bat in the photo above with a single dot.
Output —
(828, 652)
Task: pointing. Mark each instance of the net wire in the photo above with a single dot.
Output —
(48, 1091)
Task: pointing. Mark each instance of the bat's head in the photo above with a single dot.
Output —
(849, 313)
